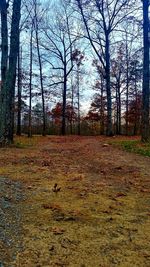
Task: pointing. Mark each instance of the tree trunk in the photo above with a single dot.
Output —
(109, 131)
(4, 42)
(30, 84)
(41, 72)
(72, 104)
(146, 74)
(42, 90)
(8, 88)
(63, 131)
(127, 89)
(117, 112)
(118, 115)
(4, 62)
(78, 96)
(119, 104)
(136, 105)
(102, 125)
(19, 91)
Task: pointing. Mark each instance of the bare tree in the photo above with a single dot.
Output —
(23, 26)
(118, 80)
(101, 19)
(59, 43)
(36, 26)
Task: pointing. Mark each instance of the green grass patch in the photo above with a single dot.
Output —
(135, 146)
(24, 142)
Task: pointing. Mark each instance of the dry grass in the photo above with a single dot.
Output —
(99, 217)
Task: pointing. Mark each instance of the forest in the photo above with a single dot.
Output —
(74, 133)
(74, 67)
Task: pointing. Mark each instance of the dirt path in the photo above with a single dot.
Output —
(10, 220)
(99, 217)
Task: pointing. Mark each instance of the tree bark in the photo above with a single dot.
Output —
(19, 91)
(78, 96)
(118, 103)
(63, 131)
(72, 104)
(109, 131)
(136, 105)
(146, 74)
(102, 124)
(8, 88)
(127, 88)
(30, 84)
(4, 42)
(41, 71)
(4, 62)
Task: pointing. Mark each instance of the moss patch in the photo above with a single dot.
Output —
(135, 147)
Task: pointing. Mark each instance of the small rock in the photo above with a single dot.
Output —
(105, 145)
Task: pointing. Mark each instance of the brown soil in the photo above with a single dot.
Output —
(73, 201)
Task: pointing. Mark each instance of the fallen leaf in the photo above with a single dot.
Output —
(58, 230)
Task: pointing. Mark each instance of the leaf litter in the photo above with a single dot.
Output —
(99, 217)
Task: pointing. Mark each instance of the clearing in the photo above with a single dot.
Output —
(97, 214)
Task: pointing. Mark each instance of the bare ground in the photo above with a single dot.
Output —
(99, 217)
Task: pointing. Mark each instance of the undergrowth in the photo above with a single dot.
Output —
(24, 142)
(135, 146)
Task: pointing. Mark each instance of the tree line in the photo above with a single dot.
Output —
(53, 54)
